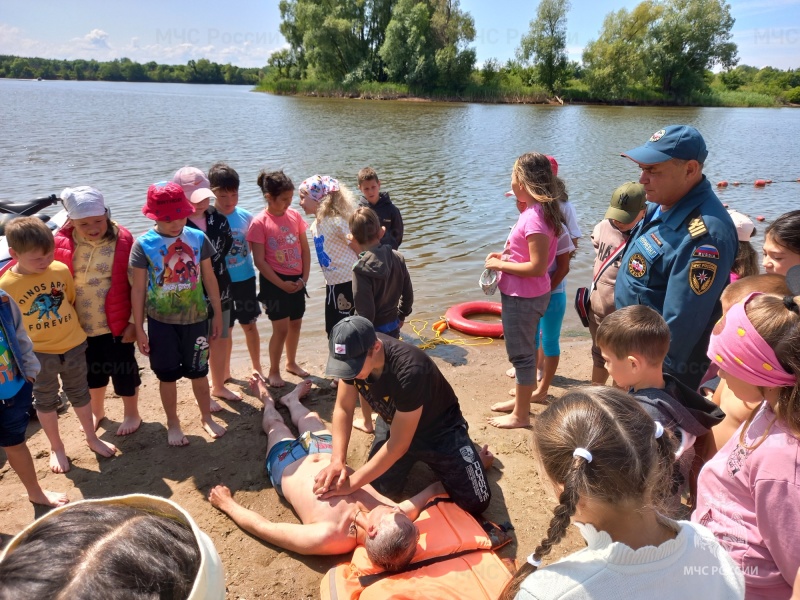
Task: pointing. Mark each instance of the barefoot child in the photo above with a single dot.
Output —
(280, 251)
(522, 277)
(97, 250)
(610, 465)
(20, 368)
(171, 265)
(225, 186)
(197, 190)
(45, 293)
(748, 494)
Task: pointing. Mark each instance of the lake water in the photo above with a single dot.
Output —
(446, 166)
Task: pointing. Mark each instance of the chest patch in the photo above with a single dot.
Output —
(701, 276)
(647, 247)
(637, 265)
(706, 251)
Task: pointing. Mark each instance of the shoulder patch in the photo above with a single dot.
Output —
(637, 265)
(701, 276)
(706, 251)
(697, 227)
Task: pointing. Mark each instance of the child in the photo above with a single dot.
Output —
(736, 411)
(382, 289)
(610, 465)
(748, 494)
(634, 342)
(388, 214)
(19, 368)
(197, 190)
(626, 209)
(225, 186)
(281, 255)
(782, 244)
(523, 280)
(332, 204)
(746, 262)
(97, 250)
(171, 266)
(45, 293)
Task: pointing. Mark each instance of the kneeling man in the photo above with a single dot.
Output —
(333, 526)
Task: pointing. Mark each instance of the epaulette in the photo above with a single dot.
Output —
(697, 226)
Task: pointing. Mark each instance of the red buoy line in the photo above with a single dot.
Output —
(757, 183)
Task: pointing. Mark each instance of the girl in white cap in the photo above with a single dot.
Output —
(97, 250)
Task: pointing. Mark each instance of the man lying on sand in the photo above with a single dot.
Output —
(333, 526)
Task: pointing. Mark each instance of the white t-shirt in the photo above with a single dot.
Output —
(571, 217)
(692, 565)
(335, 257)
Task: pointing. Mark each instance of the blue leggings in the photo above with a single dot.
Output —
(550, 324)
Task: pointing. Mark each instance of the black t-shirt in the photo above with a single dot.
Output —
(410, 379)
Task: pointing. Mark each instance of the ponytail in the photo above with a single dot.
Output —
(562, 517)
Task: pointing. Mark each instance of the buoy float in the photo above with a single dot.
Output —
(456, 317)
(440, 326)
(722, 184)
(760, 218)
(760, 183)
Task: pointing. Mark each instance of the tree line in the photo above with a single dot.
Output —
(660, 51)
(124, 69)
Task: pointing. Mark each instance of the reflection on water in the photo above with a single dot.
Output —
(446, 166)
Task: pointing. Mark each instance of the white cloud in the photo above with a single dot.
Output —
(243, 49)
(777, 47)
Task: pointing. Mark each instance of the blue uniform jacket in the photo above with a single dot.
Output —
(678, 262)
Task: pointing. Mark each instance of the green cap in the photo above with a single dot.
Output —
(627, 201)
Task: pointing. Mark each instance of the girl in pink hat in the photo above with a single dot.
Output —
(749, 493)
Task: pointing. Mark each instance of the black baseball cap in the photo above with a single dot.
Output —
(351, 338)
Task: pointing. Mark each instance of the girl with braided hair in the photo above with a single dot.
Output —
(611, 467)
(748, 494)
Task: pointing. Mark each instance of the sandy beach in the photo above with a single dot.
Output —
(254, 569)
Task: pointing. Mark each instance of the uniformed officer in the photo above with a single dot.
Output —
(679, 258)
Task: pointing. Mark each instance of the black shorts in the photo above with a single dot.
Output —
(339, 304)
(280, 305)
(108, 358)
(178, 350)
(451, 455)
(245, 302)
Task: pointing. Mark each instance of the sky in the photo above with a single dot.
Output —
(246, 32)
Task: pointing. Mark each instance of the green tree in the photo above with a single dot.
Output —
(614, 63)
(690, 37)
(545, 45)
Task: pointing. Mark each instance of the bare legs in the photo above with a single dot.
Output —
(272, 422)
(19, 457)
(59, 463)
(169, 399)
(219, 363)
(520, 408)
(599, 376)
(130, 420)
(253, 340)
(284, 333)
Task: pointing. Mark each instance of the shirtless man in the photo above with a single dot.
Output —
(333, 526)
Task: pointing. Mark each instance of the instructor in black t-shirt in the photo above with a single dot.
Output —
(419, 419)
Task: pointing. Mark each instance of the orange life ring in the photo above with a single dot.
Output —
(457, 319)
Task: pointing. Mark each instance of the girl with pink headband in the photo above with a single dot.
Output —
(749, 493)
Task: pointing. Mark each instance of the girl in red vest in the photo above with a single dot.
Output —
(97, 250)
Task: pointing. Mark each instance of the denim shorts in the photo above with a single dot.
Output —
(14, 416)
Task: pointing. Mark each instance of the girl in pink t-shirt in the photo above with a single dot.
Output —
(280, 252)
(748, 494)
(523, 280)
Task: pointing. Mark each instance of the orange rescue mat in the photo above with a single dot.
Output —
(454, 559)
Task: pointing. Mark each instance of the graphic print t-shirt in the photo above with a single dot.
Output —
(174, 283)
(335, 257)
(281, 239)
(238, 260)
(47, 303)
(10, 378)
(409, 379)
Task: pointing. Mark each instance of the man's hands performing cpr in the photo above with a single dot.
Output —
(332, 481)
